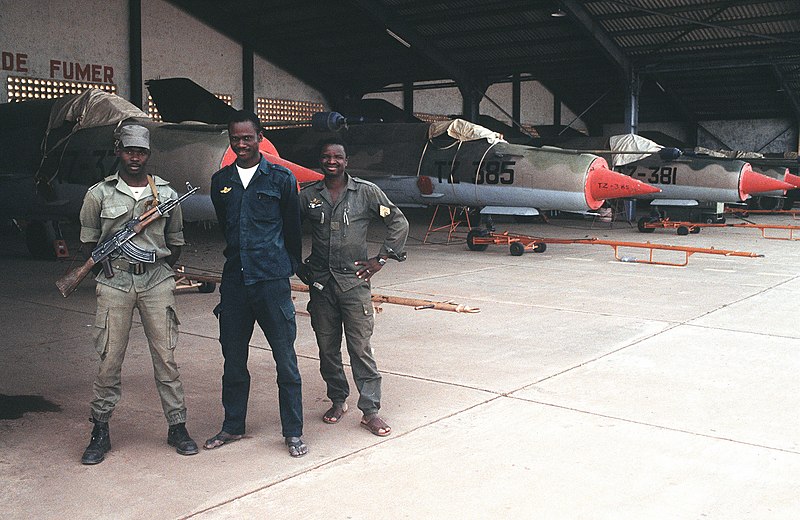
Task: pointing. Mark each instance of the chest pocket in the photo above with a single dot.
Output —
(267, 205)
(314, 215)
(113, 212)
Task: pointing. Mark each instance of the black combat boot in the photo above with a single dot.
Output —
(179, 438)
(101, 443)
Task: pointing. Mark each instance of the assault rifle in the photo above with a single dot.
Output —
(120, 243)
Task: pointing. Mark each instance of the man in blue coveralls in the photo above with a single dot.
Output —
(258, 209)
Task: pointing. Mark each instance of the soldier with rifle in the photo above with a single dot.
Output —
(138, 274)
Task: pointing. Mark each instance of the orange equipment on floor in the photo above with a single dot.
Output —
(648, 225)
(479, 240)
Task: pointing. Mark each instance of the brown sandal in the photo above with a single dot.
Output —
(376, 426)
(334, 413)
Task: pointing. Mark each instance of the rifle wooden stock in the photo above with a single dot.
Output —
(70, 281)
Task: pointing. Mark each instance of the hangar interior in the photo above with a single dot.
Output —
(620, 64)
(719, 74)
(589, 385)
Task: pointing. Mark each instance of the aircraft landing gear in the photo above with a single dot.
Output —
(765, 203)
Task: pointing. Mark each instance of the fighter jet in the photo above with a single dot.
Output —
(686, 179)
(459, 163)
(454, 163)
(778, 168)
(51, 151)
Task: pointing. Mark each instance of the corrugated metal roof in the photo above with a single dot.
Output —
(716, 59)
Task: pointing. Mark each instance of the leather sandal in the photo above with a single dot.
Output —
(334, 413)
(376, 426)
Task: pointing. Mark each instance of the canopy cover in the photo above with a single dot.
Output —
(463, 131)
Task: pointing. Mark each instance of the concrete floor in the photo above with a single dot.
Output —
(585, 388)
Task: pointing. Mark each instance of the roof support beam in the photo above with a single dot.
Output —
(633, 88)
(471, 102)
(688, 117)
(708, 62)
(248, 79)
(556, 110)
(408, 36)
(516, 100)
(408, 98)
(135, 51)
(787, 91)
(576, 10)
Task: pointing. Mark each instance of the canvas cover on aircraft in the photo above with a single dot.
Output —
(630, 143)
(92, 108)
(463, 131)
(730, 154)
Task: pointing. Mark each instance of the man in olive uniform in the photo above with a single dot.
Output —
(340, 209)
(107, 206)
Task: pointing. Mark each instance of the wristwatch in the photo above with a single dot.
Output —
(381, 260)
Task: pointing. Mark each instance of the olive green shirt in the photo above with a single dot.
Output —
(109, 205)
(339, 231)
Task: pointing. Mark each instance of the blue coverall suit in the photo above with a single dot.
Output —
(262, 229)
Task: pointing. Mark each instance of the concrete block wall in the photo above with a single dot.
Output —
(51, 39)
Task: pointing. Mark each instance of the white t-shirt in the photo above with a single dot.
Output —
(137, 192)
(246, 174)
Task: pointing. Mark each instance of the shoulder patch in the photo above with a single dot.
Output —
(312, 184)
(364, 182)
(279, 168)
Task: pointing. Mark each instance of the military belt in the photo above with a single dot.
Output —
(128, 267)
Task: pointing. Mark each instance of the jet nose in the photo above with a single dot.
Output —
(301, 173)
(752, 182)
(602, 184)
(794, 180)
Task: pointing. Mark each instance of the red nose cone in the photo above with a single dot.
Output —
(602, 184)
(752, 182)
(301, 173)
(794, 180)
